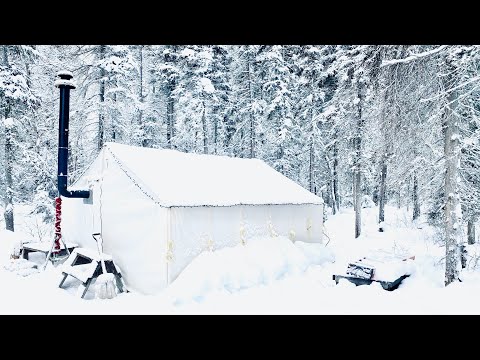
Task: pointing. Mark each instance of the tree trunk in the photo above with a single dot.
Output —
(144, 141)
(252, 117)
(8, 196)
(382, 191)
(113, 118)
(471, 231)
(170, 104)
(336, 195)
(408, 197)
(8, 200)
(101, 115)
(310, 167)
(375, 195)
(357, 184)
(215, 134)
(332, 196)
(416, 202)
(452, 203)
(386, 148)
(170, 109)
(357, 202)
(204, 129)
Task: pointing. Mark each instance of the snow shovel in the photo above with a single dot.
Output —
(105, 287)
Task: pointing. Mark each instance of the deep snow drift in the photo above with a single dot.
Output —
(271, 276)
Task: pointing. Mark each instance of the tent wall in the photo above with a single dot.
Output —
(196, 229)
(152, 244)
(78, 217)
(133, 227)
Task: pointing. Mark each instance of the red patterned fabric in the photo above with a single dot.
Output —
(58, 217)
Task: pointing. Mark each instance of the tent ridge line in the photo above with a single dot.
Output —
(239, 204)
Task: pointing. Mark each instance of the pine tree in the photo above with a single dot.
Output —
(245, 130)
(16, 99)
(357, 68)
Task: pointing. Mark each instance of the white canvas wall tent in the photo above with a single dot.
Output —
(157, 209)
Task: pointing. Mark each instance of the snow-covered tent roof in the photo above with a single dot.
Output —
(174, 178)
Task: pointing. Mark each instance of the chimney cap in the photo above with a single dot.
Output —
(65, 74)
(65, 82)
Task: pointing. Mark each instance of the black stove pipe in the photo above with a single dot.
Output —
(64, 83)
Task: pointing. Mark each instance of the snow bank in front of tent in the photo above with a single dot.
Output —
(316, 253)
(260, 262)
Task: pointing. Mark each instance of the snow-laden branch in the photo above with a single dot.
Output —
(476, 78)
(412, 57)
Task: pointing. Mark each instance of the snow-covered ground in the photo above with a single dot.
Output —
(267, 276)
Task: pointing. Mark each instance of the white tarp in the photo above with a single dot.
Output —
(140, 199)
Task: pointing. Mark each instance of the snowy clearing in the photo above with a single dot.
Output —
(268, 276)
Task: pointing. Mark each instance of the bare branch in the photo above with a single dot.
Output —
(412, 57)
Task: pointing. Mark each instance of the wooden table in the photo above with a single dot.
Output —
(372, 263)
(44, 247)
(387, 285)
(85, 265)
